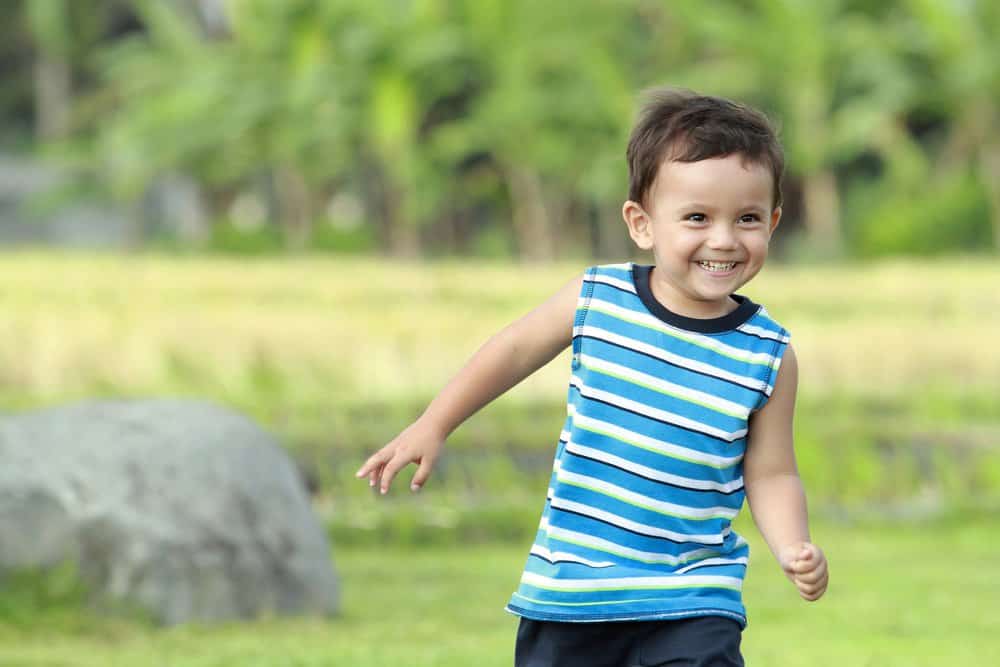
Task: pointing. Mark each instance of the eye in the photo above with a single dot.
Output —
(695, 217)
(749, 218)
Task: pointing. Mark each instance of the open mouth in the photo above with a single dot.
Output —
(717, 267)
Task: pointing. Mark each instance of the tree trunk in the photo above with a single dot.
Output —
(532, 227)
(822, 209)
(612, 234)
(402, 231)
(53, 97)
(294, 205)
(989, 166)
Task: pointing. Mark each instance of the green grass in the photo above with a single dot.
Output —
(901, 594)
(897, 418)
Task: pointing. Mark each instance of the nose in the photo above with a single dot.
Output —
(721, 237)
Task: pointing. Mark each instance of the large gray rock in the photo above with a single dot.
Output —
(184, 508)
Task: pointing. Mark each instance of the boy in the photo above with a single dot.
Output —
(676, 410)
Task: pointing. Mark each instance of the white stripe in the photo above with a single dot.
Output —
(654, 413)
(647, 442)
(742, 560)
(653, 473)
(652, 322)
(711, 401)
(562, 556)
(622, 522)
(672, 581)
(645, 502)
(617, 282)
(676, 359)
(652, 557)
(763, 333)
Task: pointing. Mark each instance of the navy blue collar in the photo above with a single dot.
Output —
(743, 312)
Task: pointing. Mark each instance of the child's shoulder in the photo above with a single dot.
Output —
(765, 325)
(621, 271)
(616, 266)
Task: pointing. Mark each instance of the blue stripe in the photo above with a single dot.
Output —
(697, 380)
(696, 428)
(697, 498)
(666, 431)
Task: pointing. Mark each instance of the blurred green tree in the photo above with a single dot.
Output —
(832, 96)
(457, 120)
(958, 47)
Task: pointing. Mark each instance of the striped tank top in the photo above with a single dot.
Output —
(648, 471)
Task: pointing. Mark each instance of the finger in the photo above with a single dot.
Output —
(423, 472)
(807, 588)
(797, 567)
(803, 566)
(393, 467)
(372, 462)
(375, 474)
(810, 577)
(818, 571)
(814, 588)
(813, 593)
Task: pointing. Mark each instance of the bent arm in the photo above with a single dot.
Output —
(773, 488)
(505, 359)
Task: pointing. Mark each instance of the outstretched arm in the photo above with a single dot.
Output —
(504, 360)
(774, 490)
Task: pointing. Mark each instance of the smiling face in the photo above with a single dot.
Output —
(708, 224)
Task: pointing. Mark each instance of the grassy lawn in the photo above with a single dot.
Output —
(897, 413)
(335, 355)
(905, 594)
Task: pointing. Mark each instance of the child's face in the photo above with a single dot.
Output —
(708, 224)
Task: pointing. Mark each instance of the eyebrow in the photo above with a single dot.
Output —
(699, 205)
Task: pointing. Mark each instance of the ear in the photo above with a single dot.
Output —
(775, 219)
(640, 226)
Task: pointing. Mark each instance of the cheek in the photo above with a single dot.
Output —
(757, 245)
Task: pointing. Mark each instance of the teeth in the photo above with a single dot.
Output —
(717, 266)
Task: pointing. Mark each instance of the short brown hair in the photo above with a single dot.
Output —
(683, 126)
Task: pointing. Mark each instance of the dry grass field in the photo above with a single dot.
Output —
(899, 361)
(358, 328)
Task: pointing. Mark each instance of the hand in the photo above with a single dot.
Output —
(418, 443)
(805, 565)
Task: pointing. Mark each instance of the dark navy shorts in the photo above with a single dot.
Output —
(701, 641)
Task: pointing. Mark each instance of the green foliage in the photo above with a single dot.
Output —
(943, 216)
(229, 238)
(26, 594)
(498, 128)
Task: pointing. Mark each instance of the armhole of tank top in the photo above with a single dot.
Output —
(772, 376)
(586, 292)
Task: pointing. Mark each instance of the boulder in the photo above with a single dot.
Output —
(184, 508)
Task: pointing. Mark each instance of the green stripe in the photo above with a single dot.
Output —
(583, 604)
(665, 392)
(684, 338)
(717, 466)
(629, 588)
(640, 505)
(649, 561)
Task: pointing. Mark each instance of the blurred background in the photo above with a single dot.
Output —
(314, 211)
